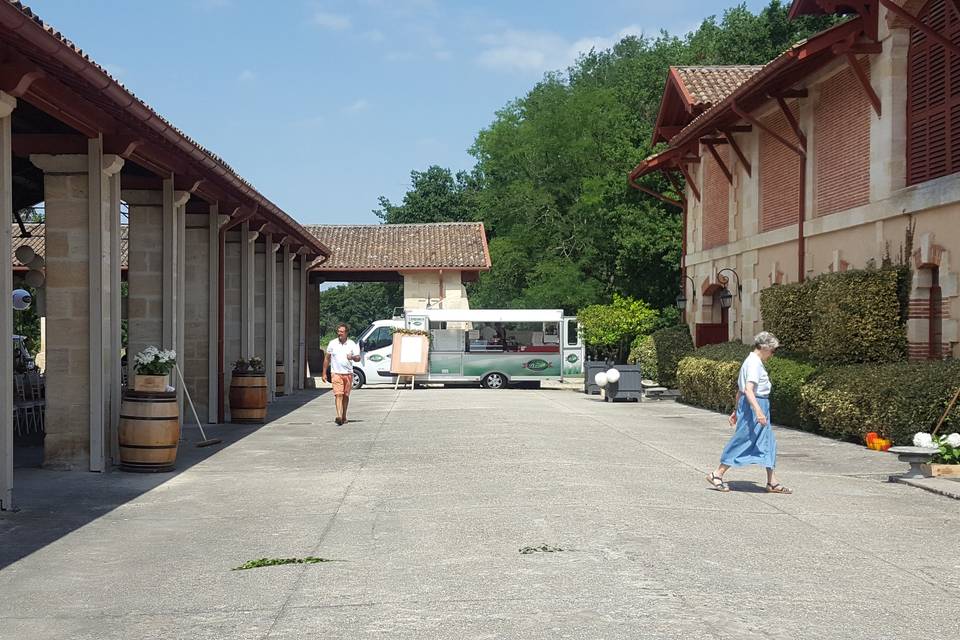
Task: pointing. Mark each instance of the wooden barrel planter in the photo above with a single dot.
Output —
(281, 378)
(149, 431)
(248, 397)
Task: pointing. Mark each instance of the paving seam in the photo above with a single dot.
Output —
(864, 552)
(333, 518)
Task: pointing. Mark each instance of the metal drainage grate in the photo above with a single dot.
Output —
(544, 548)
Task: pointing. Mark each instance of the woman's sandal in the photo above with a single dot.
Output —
(718, 483)
(778, 488)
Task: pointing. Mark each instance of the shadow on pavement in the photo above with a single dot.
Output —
(51, 504)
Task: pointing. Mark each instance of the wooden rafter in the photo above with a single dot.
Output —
(676, 186)
(776, 136)
(657, 195)
(955, 4)
(716, 156)
(916, 23)
(690, 182)
(858, 71)
(737, 150)
(788, 114)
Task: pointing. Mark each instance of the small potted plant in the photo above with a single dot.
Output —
(256, 364)
(152, 368)
(241, 366)
(945, 460)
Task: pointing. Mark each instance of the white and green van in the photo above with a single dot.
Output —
(491, 346)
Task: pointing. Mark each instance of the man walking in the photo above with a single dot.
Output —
(340, 356)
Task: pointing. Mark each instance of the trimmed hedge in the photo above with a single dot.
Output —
(644, 353)
(857, 318)
(671, 345)
(708, 379)
(895, 400)
(787, 312)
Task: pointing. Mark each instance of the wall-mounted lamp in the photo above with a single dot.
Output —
(726, 298)
(682, 298)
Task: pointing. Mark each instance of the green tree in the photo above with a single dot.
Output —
(357, 304)
(436, 195)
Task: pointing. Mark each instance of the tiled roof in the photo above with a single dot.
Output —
(391, 247)
(37, 240)
(709, 85)
(150, 114)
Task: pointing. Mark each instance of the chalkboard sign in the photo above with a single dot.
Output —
(409, 355)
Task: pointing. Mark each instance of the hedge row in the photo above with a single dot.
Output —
(659, 353)
(842, 318)
(895, 400)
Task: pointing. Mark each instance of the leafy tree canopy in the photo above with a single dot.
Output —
(357, 304)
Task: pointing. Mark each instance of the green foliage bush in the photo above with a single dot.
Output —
(857, 318)
(787, 311)
(644, 353)
(607, 328)
(708, 378)
(670, 346)
(895, 400)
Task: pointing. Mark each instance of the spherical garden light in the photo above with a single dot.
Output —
(600, 379)
(613, 376)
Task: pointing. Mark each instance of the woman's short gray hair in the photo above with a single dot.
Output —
(765, 340)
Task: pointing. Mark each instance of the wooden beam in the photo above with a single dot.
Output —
(669, 132)
(690, 182)
(773, 134)
(739, 152)
(25, 144)
(658, 196)
(121, 145)
(864, 82)
(16, 77)
(900, 12)
(723, 167)
(955, 4)
(792, 121)
(713, 140)
(737, 128)
(790, 93)
(689, 159)
(676, 186)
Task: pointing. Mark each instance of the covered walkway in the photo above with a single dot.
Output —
(424, 506)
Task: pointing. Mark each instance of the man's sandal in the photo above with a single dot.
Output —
(717, 482)
(778, 488)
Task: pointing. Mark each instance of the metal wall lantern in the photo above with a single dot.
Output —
(726, 298)
(682, 298)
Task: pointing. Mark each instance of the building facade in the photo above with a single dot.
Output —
(844, 152)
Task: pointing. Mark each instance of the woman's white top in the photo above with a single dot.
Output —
(752, 370)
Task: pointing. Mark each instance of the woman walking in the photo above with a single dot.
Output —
(753, 442)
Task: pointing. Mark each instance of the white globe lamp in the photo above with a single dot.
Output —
(613, 376)
(600, 379)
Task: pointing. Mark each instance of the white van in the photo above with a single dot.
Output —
(493, 347)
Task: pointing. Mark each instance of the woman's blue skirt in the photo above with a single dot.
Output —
(751, 443)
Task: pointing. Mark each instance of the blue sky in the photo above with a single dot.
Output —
(324, 106)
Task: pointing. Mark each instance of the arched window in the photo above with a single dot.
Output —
(933, 97)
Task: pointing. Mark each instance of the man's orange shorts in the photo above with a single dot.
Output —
(342, 383)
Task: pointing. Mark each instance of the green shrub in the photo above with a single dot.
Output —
(895, 400)
(644, 353)
(708, 383)
(787, 312)
(704, 381)
(671, 345)
(608, 328)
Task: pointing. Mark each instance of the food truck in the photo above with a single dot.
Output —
(493, 347)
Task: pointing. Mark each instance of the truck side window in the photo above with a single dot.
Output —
(381, 337)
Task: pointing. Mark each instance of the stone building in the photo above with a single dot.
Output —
(215, 269)
(841, 153)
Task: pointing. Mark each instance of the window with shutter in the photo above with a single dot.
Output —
(933, 97)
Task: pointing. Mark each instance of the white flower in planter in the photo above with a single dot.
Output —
(923, 439)
(954, 440)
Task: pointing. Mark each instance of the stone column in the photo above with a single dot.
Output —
(311, 331)
(116, 346)
(77, 199)
(100, 214)
(301, 324)
(270, 319)
(246, 292)
(7, 105)
(213, 303)
(288, 319)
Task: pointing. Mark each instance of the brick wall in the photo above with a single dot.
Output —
(716, 198)
(841, 145)
(779, 175)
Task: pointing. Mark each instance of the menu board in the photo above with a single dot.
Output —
(409, 354)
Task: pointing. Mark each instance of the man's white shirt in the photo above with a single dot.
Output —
(339, 363)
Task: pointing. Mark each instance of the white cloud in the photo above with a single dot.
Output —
(361, 104)
(443, 55)
(247, 75)
(334, 21)
(539, 51)
(374, 35)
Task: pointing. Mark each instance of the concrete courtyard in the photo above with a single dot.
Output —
(424, 501)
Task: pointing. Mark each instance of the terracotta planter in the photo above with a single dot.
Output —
(941, 470)
(150, 384)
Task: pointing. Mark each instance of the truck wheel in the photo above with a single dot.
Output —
(358, 378)
(494, 381)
